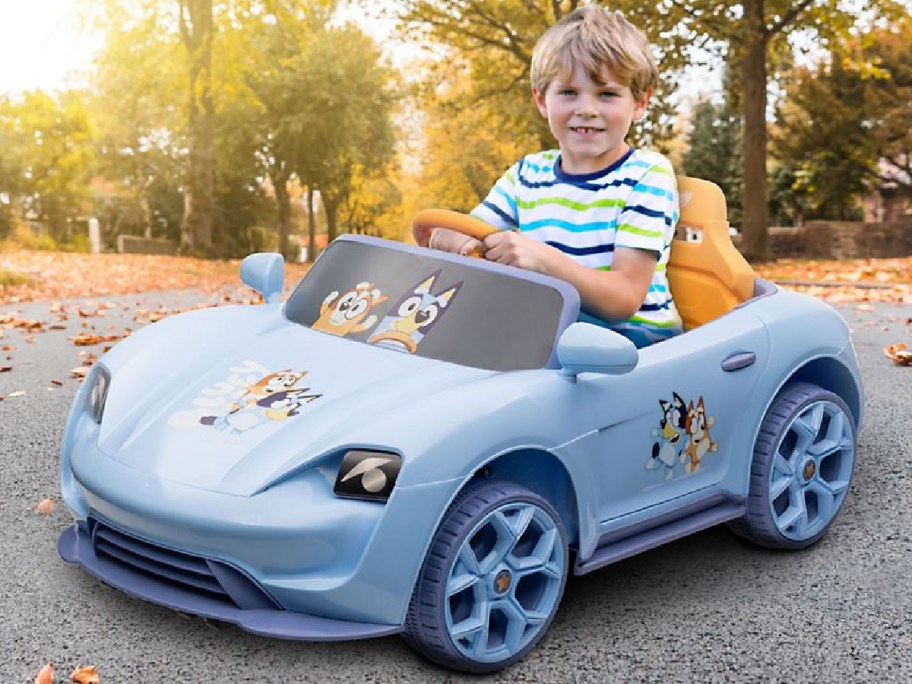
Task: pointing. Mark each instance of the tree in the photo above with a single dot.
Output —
(843, 126)
(345, 101)
(138, 119)
(714, 151)
(820, 135)
(195, 21)
(889, 101)
(45, 175)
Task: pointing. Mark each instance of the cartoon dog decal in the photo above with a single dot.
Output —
(670, 441)
(270, 384)
(274, 397)
(348, 313)
(413, 315)
(278, 406)
(697, 427)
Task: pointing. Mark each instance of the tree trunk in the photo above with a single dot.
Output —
(196, 32)
(311, 226)
(331, 208)
(755, 222)
(283, 204)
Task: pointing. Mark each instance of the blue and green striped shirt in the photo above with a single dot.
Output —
(632, 203)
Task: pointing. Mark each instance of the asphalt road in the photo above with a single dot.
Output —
(708, 608)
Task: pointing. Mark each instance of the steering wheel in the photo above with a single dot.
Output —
(426, 220)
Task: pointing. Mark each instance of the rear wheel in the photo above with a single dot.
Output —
(802, 468)
(492, 580)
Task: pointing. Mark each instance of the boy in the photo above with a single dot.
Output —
(596, 213)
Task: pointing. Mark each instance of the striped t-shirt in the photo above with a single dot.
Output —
(632, 203)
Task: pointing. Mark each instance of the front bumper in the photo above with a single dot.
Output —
(76, 546)
(314, 554)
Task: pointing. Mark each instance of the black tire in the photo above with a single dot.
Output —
(802, 468)
(484, 614)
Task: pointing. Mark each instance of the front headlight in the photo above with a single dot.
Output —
(98, 393)
(367, 474)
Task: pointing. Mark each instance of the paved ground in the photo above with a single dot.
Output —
(708, 608)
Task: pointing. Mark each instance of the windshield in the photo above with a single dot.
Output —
(432, 304)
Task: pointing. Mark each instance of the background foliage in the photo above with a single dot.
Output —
(314, 130)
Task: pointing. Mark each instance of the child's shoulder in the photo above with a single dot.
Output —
(650, 161)
(539, 161)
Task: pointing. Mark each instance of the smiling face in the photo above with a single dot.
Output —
(590, 120)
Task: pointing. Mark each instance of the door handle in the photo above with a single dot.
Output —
(738, 360)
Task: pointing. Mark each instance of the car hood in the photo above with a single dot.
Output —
(277, 400)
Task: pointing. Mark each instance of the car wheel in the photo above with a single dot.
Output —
(492, 579)
(802, 467)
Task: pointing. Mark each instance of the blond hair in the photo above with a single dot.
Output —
(595, 38)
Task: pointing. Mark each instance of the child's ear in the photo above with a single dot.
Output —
(540, 102)
(639, 111)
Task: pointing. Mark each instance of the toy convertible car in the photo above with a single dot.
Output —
(429, 444)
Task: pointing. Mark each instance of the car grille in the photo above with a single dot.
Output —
(216, 579)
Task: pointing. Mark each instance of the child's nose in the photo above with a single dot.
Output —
(585, 106)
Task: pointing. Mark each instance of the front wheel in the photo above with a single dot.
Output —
(492, 579)
(802, 467)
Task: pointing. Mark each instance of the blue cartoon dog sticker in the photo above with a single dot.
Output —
(669, 437)
(682, 438)
(410, 319)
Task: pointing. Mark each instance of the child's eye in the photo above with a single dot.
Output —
(568, 92)
(608, 95)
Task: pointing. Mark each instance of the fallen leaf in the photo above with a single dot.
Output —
(80, 372)
(58, 383)
(45, 507)
(86, 339)
(864, 307)
(85, 675)
(16, 394)
(5, 369)
(9, 347)
(45, 675)
(898, 353)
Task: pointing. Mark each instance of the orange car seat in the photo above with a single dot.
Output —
(707, 277)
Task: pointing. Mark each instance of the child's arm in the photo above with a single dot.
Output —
(610, 295)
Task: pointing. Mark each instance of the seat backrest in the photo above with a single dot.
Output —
(707, 277)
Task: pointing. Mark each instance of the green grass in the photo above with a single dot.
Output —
(10, 278)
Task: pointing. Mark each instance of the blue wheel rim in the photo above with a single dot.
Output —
(505, 582)
(811, 470)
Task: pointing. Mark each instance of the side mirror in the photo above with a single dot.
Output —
(265, 273)
(587, 348)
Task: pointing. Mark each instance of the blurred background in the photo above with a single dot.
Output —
(220, 127)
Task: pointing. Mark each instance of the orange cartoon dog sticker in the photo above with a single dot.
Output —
(348, 313)
(697, 426)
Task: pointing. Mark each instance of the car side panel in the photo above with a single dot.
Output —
(651, 453)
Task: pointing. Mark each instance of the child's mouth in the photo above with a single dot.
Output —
(586, 131)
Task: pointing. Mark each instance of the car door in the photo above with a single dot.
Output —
(666, 429)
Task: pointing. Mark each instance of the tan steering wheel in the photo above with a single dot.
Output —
(426, 220)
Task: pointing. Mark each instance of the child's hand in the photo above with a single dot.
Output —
(515, 249)
(452, 241)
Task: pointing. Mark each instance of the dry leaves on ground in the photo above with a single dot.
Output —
(45, 675)
(63, 275)
(85, 675)
(46, 507)
(81, 675)
(899, 354)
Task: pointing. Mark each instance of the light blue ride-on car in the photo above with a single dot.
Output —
(429, 444)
